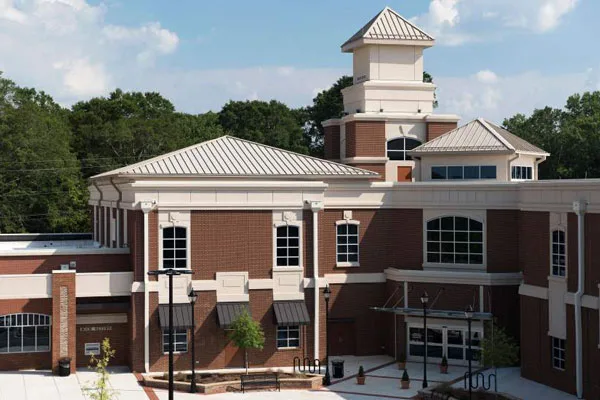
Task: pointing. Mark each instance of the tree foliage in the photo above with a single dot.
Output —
(101, 389)
(498, 349)
(41, 188)
(571, 135)
(247, 334)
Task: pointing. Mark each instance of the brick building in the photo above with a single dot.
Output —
(405, 202)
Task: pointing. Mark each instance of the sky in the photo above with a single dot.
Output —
(492, 58)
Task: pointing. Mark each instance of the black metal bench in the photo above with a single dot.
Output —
(260, 381)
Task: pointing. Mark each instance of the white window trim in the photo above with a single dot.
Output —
(521, 179)
(347, 264)
(187, 341)
(564, 230)
(474, 215)
(290, 347)
(90, 349)
(299, 225)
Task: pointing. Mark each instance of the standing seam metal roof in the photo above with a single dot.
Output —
(389, 25)
(231, 156)
(478, 135)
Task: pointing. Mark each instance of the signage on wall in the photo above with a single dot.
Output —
(361, 78)
(95, 328)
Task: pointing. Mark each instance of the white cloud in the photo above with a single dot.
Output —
(455, 22)
(66, 48)
(471, 97)
(486, 76)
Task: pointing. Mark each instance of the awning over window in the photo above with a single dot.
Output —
(228, 312)
(182, 315)
(291, 313)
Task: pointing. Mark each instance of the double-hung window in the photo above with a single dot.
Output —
(174, 247)
(180, 342)
(288, 337)
(558, 256)
(347, 243)
(288, 246)
(24, 333)
(558, 353)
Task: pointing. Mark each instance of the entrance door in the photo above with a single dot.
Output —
(342, 338)
(451, 341)
(404, 174)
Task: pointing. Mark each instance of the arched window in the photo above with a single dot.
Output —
(288, 246)
(559, 250)
(397, 148)
(24, 333)
(454, 240)
(174, 247)
(347, 243)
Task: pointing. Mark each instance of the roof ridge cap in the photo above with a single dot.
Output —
(497, 135)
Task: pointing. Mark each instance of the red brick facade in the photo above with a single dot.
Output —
(46, 264)
(331, 142)
(63, 330)
(534, 233)
(365, 139)
(117, 333)
(436, 129)
(502, 240)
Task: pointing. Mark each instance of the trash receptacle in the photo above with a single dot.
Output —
(64, 367)
(338, 368)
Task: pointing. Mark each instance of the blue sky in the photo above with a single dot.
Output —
(493, 57)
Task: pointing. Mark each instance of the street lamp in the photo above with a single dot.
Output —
(469, 317)
(170, 272)
(424, 301)
(193, 297)
(326, 295)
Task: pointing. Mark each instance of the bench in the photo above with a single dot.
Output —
(260, 381)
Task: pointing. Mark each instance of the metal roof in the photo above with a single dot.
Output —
(227, 313)
(478, 135)
(182, 315)
(389, 25)
(291, 313)
(230, 156)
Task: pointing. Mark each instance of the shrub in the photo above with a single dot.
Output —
(405, 377)
(361, 371)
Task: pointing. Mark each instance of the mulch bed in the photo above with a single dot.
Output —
(216, 378)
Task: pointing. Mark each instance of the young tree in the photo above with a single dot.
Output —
(498, 349)
(247, 334)
(101, 389)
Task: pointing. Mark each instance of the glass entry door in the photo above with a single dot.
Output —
(451, 341)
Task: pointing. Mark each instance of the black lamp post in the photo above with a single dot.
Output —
(326, 295)
(170, 272)
(469, 317)
(424, 301)
(193, 297)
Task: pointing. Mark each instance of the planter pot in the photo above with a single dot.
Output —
(405, 384)
(360, 380)
(443, 369)
(401, 365)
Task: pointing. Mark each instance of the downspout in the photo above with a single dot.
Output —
(146, 208)
(97, 228)
(580, 208)
(117, 219)
(316, 206)
(538, 161)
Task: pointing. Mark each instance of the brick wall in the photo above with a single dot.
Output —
(436, 129)
(232, 241)
(135, 238)
(502, 240)
(119, 341)
(534, 247)
(136, 332)
(388, 238)
(46, 264)
(63, 318)
(592, 253)
(332, 142)
(365, 139)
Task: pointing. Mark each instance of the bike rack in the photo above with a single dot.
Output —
(307, 365)
(475, 383)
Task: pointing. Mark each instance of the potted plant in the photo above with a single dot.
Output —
(444, 365)
(405, 381)
(360, 378)
(402, 361)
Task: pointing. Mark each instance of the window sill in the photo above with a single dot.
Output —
(454, 267)
(347, 265)
(175, 352)
(557, 278)
(287, 269)
(287, 348)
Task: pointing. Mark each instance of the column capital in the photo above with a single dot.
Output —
(580, 207)
(147, 206)
(315, 206)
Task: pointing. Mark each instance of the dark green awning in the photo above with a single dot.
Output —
(229, 312)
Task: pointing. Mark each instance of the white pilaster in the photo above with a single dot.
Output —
(316, 206)
(146, 207)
